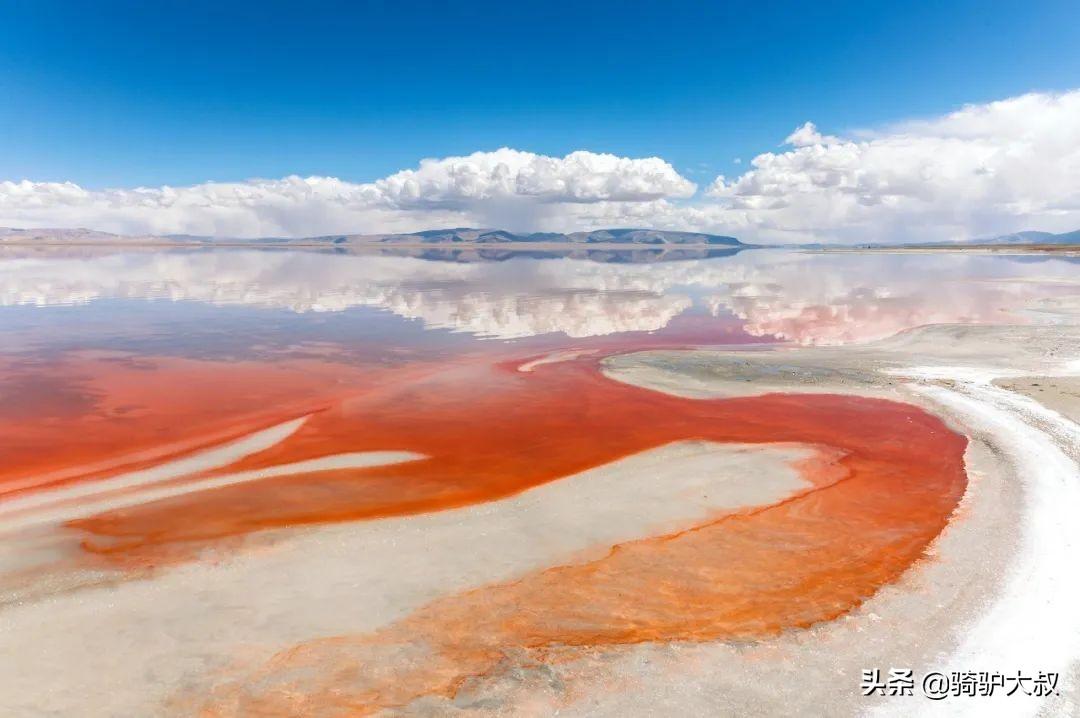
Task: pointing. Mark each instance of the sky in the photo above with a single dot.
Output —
(284, 118)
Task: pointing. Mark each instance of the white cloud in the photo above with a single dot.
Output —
(984, 169)
(808, 135)
(518, 188)
(990, 168)
(460, 182)
(292, 206)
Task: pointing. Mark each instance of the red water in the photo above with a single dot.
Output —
(887, 477)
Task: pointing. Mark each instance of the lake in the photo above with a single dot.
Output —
(270, 481)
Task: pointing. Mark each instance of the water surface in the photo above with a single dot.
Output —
(168, 409)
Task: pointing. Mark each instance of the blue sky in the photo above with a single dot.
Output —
(122, 94)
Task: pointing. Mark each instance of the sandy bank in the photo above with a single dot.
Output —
(1060, 393)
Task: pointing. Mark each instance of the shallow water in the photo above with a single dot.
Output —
(224, 301)
(130, 382)
(80, 332)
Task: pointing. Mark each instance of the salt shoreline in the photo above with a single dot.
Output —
(1008, 539)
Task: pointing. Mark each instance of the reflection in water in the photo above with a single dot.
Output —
(611, 256)
(799, 297)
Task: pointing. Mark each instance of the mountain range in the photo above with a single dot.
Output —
(454, 236)
(1032, 238)
(473, 237)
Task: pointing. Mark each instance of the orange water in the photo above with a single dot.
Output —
(886, 479)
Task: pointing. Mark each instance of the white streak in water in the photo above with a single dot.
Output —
(67, 512)
(553, 358)
(195, 463)
(139, 487)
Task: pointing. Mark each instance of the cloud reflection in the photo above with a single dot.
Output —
(799, 297)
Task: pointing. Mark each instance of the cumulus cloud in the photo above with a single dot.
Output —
(984, 169)
(505, 184)
(808, 135)
(460, 182)
(992, 168)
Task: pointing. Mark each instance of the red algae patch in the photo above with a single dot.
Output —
(744, 576)
(885, 481)
(110, 413)
(490, 431)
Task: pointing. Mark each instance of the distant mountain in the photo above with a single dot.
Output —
(1034, 240)
(454, 236)
(1031, 238)
(651, 236)
(461, 235)
(74, 236)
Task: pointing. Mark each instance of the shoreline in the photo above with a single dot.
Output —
(1066, 249)
(973, 586)
(286, 244)
(329, 244)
